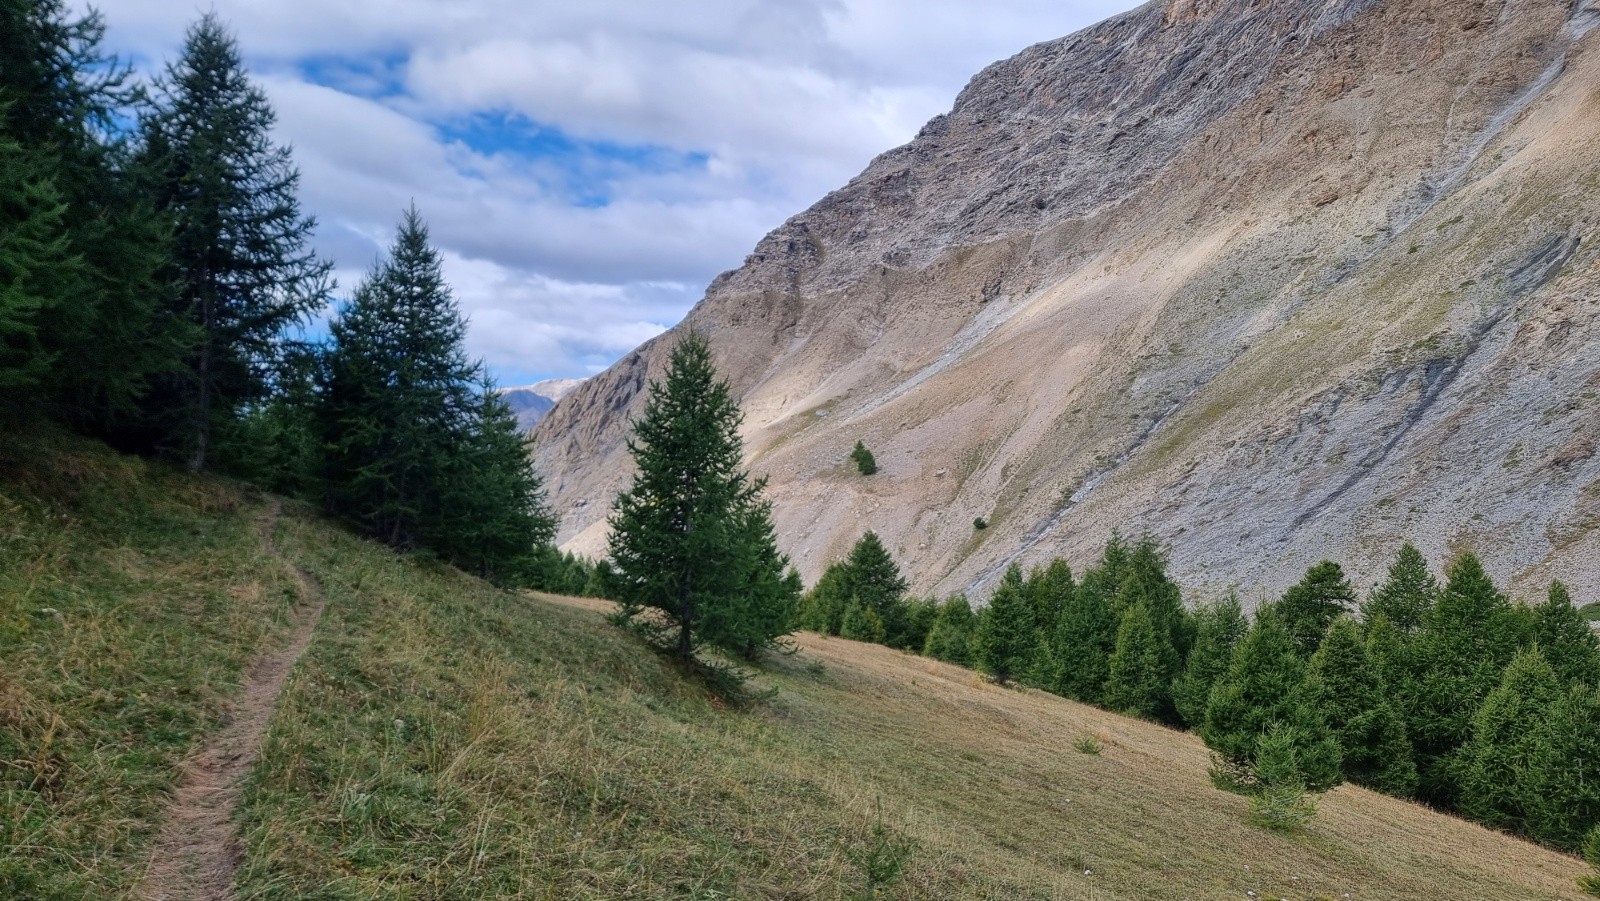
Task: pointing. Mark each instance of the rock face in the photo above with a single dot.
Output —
(1273, 280)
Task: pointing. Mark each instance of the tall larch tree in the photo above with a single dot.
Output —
(1218, 629)
(1137, 681)
(1407, 595)
(241, 257)
(1563, 793)
(1004, 639)
(679, 532)
(1495, 764)
(1353, 700)
(1085, 637)
(1566, 640)
(1311, 605)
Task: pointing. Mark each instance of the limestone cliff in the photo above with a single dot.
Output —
(1271, 279)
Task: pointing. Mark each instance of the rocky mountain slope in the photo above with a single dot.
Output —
(1271, 279)
(533, 402)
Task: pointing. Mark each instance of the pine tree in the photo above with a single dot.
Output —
(1495, 763)
(244, 271)
(1566, 640)
(1407, 596)
(1004, 638)
(1085, 637)
(1265, 684)
(1310, 606)
(1353, 700)
(950, 637)
(1218, 630)
(1459, 655)
(676, 541)
(1137, 682)
(1563, 793)
(492, 513)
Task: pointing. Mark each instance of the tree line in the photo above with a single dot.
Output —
(1449, 693)
(157, 282)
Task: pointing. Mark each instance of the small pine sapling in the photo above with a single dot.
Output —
(880, 853)
(863, 459)
(1591, 852)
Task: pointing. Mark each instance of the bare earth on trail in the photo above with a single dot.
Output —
(197, 852)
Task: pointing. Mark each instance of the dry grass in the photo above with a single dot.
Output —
(442, 739)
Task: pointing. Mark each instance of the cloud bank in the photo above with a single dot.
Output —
(588, 168)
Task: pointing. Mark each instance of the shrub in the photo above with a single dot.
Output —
(1088, 744)
(980, 524)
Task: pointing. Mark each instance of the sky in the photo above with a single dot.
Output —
(586, 167)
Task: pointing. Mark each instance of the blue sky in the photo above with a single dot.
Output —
(588, 167)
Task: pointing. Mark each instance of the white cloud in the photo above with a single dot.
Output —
(569, 252)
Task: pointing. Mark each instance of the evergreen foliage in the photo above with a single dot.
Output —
(1218, 629)
(950, 636)
(1004, 640)
(419, 448)
(862, 623)
(679, 533)
(1407, 596)
(822, 608)
(862, 457)
(240, 256)
(1354, 701)
(1563, 794)
(81, 300)
(1591, 854)
(1137, 681)
(1310, 606)
(1264, 685)
(1495, 763)
(1568, 643)
(1085, 638)
(1463, 647)
(1281, 800)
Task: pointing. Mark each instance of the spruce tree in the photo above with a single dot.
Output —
(1004, 638)
(1351, 695)
(950, 637)
(1310, 606)
(862, 457)
(1265, 685)
(1137, 681)
(677, 541)
(1409, 593)
(241, 260)
(1563, 794)
(1566, 639)
(1218, 630)
(1495, 764)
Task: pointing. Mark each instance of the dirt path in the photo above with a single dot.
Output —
(198, 852)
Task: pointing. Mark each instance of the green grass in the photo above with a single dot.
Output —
(130, 598)
(444, 739)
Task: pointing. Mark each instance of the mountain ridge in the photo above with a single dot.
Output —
(1085, 299)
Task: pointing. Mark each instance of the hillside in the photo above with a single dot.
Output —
(1275, 281)
(443, 739)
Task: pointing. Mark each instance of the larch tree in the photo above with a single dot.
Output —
(1311, 605)
(1495, 764)
(1218, 629)
(1566, 639)
(1407, 595)
(1137, 681)
(1353, 699)
(241, 259)
(679, 533)
(1004, 641)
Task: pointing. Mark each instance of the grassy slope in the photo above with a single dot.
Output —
(443, 739)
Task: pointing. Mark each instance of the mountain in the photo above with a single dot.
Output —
(1273, 280)
(533, 402)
